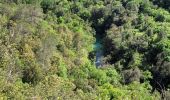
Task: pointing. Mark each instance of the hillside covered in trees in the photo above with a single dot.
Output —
(84, 49)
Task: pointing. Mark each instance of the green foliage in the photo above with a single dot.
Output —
(32, 73)
(45, 47)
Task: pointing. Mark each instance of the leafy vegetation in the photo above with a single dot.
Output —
(47, 49)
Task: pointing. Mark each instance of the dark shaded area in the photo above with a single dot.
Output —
(162, 3)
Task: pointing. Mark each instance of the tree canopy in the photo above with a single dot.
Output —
(47, 49)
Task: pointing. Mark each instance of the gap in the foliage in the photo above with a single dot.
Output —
(98, 46)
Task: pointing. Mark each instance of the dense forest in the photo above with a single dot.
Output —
(84, 49)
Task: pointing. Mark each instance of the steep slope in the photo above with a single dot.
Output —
(47, 49)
